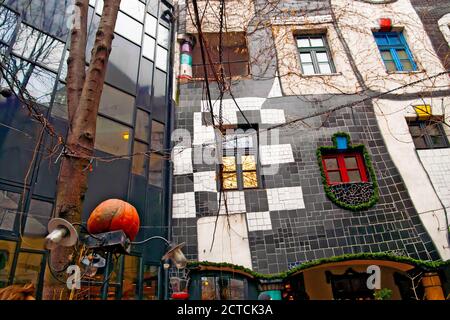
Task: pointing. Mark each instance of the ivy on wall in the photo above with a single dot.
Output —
(368, 201)
(424, 265)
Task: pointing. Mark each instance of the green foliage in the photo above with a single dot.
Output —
(424, 265)
(383, 294)
(355, 148)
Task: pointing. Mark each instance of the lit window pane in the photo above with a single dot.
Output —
(354, 176)
(229, 164)
(129, 28)
(161, 58)
(163, 36)
(8, 20)
(37, 46)
(322, 57)
(134, 8)
(303, 43)
(350, 163)
(142, 125)
(236, 289)
(308, 68)
(250, 179)
(248, 163)
(130, 278)
(390, 66)
(117, 104)
(305, 57)
(316, 42)
(36, 225)
(112, 137)
(325, 68)
(157, 136)
(139, 161)
(155, 170)
(331, 164)
(148, 48)
(229, 180)
(208, 288)
(334, 176)
(150, 25)
(9, 204)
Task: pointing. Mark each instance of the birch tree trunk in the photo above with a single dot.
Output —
(84, 90)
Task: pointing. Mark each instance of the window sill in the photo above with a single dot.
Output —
(322, 75)
(405, 72)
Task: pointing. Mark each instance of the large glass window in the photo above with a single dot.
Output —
(130, 278)
(38, 216)
(139, 159)
(155, 173)
(7, 250)
(112, 137)
(134, 8)
(315, 55)
(8, 20)
(142, 125)
(9, 204)
(117, 104)
(157, 136)
(28, 268)
(428, 135)
(395, 51)
(150, 283)
(222, 288)
(129, 28)
(38, 47)
(161, 58)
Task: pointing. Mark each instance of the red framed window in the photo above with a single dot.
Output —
(344, 168)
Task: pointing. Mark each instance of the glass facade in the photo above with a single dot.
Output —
(132, 120)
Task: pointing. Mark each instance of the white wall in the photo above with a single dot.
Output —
(231, 240)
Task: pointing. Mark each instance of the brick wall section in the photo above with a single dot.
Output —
(430, 11)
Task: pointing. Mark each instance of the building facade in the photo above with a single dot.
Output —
(330, 141)
(134, 117)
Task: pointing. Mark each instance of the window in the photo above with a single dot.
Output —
(150, 283)
(7, 250)
(8, 20)
(344, 168)
(239, 162)
(349, 286)
(112, 137)
(9, 204)
(157, 136)
(395, 51)
(155, 173)
(38, 216)
(235, 55)
(315, 56)
(428, 135)
(116, 104)
(222, 288)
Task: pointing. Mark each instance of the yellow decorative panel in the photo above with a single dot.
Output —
(423, 112)
(248, 163)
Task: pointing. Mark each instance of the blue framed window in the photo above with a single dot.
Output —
(395, 51)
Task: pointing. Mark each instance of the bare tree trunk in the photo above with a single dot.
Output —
(83, 95)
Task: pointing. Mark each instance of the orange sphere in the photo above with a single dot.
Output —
(112, 215)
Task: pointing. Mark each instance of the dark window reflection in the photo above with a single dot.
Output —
(142, 125)
(59, 108)
(7, 250)
(155, 170)
(39, 47)
(9, 204)
(116, 104)
(48, 15)
(140, 160)
(157, 136)
(159, 96)
(112, 137)
(145, 84)
(8, 20)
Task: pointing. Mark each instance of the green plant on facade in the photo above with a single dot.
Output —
(424, 265)
(368, 163)
(383, 294)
